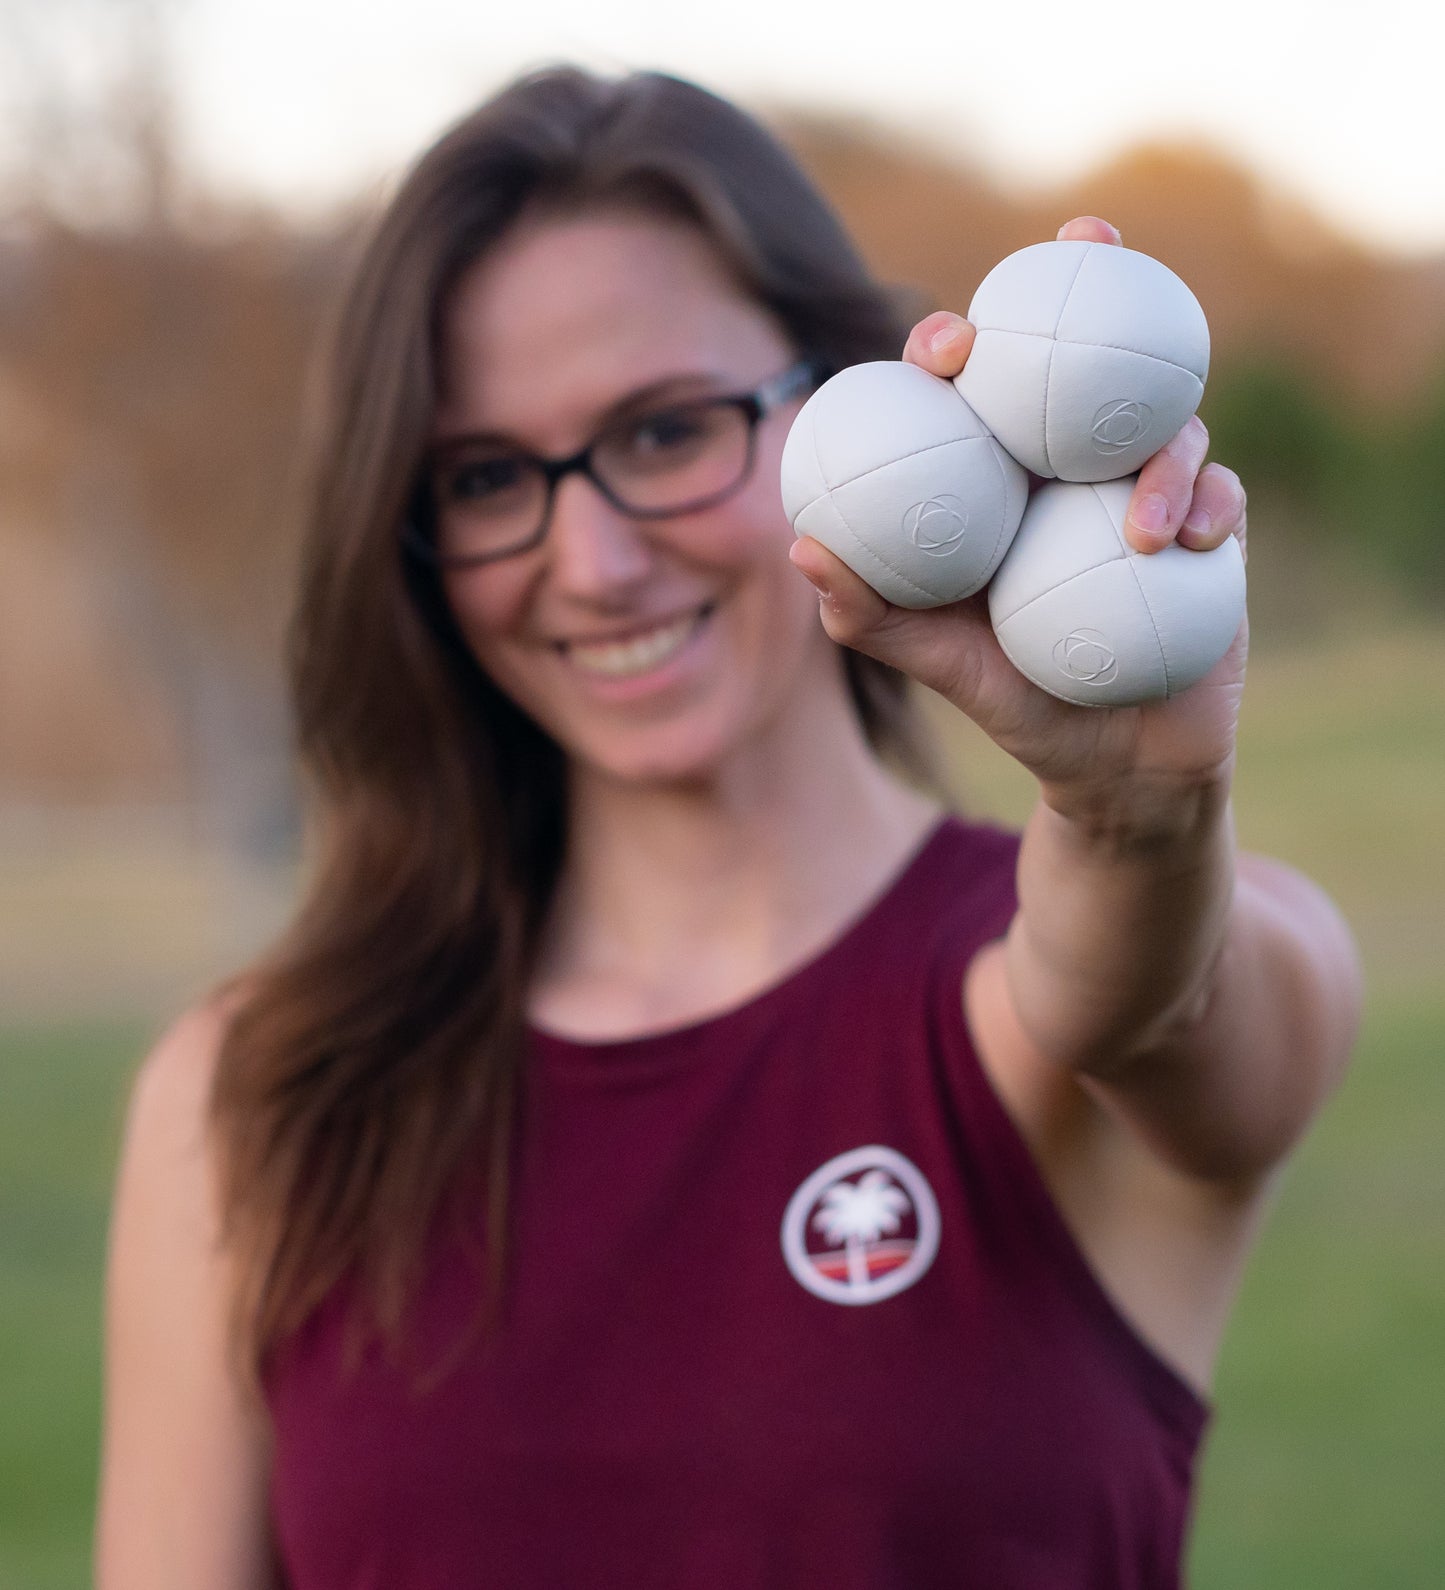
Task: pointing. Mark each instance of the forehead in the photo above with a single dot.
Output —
(568, 316)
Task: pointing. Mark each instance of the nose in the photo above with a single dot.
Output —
(595, 550)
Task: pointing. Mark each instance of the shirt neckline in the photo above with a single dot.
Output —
(638, 1045)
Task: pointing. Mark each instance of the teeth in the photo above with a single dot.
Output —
(637, 655)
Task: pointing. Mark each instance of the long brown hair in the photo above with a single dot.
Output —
(373, 1062)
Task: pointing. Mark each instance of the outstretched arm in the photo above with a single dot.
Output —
(1211, 1000)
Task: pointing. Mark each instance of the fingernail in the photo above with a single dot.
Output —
(1118, 236)
(1150, 514)
(945, 337)
(819, 584)
(1199, 522)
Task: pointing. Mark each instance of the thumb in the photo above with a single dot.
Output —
(945, 648)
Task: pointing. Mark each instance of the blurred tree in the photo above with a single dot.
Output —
(1276, 428)
(86, 106)
(1370, 480)
(1406, 491)
(158, 365)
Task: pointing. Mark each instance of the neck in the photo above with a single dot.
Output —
(682, 899)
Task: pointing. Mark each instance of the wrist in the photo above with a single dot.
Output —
(1141, 816)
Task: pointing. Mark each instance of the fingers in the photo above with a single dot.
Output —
(940, 343)
(1181, 498)
(848, 603)
(1217, 510)
(1088, 229)
(941, 647)
(1163, 497)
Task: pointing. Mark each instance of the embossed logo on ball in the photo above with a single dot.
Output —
(1085, 655)
(1119, 424)
(937, 525)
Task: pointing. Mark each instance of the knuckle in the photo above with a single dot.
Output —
(1190, 444)
(1228, 486)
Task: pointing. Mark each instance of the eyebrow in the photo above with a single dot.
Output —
(698, 384)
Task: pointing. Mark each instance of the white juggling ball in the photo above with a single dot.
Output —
(1089, 358)
(1094, 622)
(893, 472)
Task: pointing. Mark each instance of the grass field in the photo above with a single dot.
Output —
(59, 1112)
(1326, 1464)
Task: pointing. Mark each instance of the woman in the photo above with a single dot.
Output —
(667, 1149)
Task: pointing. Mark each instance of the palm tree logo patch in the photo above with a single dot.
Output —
(862, 1228)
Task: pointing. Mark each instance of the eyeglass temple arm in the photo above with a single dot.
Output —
(787, 385)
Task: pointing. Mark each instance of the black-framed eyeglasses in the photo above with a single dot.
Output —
(483, 500)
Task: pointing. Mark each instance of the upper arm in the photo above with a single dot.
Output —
(1232, 1088)
(184, 1454)
(1225, 1093)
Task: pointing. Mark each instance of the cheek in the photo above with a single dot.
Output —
(750, 532)
(763, 540)
(778, 608)
(485, 598)
(487, 606)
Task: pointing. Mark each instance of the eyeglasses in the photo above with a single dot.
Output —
(479, 500)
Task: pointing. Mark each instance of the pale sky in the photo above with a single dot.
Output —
(307, 100)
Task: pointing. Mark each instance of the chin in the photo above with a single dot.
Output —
(680, 755)
(655, 768)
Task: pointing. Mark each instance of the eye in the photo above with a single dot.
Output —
(668, 434)
(483, 480)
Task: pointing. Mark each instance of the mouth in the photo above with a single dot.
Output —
(637, 653)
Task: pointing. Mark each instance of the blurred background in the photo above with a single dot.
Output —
(182, 187)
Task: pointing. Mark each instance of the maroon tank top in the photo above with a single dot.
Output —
(791, 1307)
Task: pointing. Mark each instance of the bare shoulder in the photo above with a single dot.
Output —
(172, 1087)
(165, 1183)
(165, 1211)
(184, 1449)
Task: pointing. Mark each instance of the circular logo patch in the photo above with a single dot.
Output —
(937, 524)
(862, 1228)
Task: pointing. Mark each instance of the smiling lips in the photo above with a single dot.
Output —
(638, 653)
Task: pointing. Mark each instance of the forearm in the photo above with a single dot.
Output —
(1124, 902)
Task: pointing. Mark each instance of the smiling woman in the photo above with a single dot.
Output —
(653, 642)
(667, 1147)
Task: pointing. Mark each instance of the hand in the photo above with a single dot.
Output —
(1088, 759)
